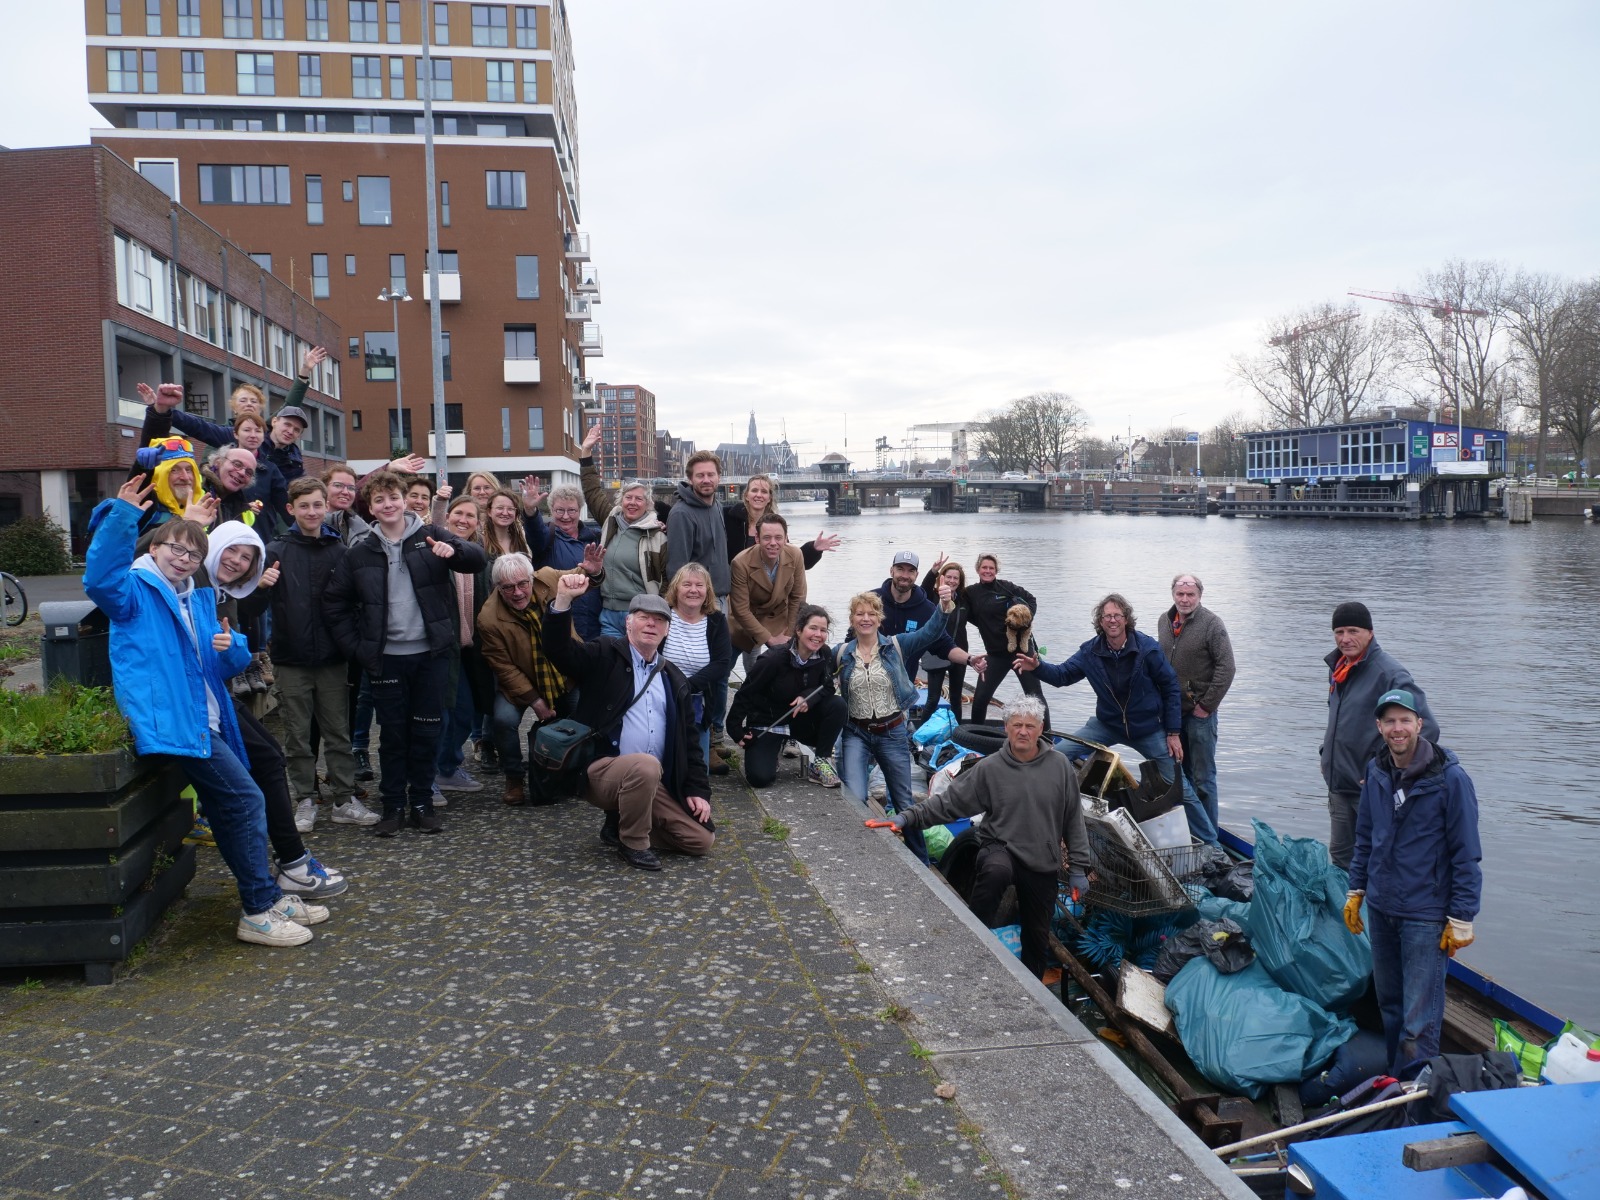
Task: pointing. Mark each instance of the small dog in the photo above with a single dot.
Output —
(1019, 630)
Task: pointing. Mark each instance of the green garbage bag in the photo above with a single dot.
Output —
(1531, 1055)
(937, 838)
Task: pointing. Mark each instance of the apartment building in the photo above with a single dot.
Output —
(627, 416)
(296, 127)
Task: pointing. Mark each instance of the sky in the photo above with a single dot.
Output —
(854, 218)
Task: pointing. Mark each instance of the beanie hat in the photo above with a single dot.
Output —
(1352, 614)
(159, 458)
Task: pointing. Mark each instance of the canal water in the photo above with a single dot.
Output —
(1493, 622)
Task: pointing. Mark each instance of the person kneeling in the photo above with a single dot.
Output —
(1028, 793)
(650, 778)
(789, 694)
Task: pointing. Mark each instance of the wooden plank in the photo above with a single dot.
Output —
(1144, 998)
(1447, 1152)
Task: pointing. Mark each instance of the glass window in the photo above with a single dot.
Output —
(272, 19)
(391, 21)
(150, 81)
(400, 429)
(363, 20)
(502, 81)
(255, 74)
(163, 172)
(381, 349)
(264, 261)
(311, 74)
(536, 429)
(188, 18)
(372, 123)
(521, 341)
(373, 205)
(238, 18)
(488, 25)
(366, 77)
(113, 16)
(527, 27)
(332, 442)
(152, 18)
(507, 189)
(487, 129)
(530, 83)
(452, 414)
(227, 184)
(505, 429)
(313, 199)
(316, 122)
(316, 20)
(194, 72)
(447, 126)
(444, 87)
(397, 79)
(349, 191)
(349, 264)
(441, 24)
(319, 277)
(527, 277)
(397, 273)
(449, 261)
(444, 203)
(122, 70)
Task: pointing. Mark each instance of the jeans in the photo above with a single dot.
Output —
(1342, 809)
(1408, 970)
(999, 869)
(233, 804)
(817, 727)
(614, 622)
(457, 724)
(989, 682)
(505, 725)
(891, 750)
(1199, 738)
(1154, 747)
(936, 677)
(408, 696)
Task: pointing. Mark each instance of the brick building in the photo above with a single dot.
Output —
(671, 454)
(296, 126)
(112, 285)
(627, 416)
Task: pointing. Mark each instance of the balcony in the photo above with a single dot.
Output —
(449, 287)
(582, 392)
(590, 341)
(522, 370)
(455, 443)
(577, 247)
(580, 308)
(588, 283)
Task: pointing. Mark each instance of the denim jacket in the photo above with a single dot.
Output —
(895, 651)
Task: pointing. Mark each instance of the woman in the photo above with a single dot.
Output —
(698, 645)
(878, 689)
(987, 603)
(789, 693)
(503, 534)
(940, 669)
(635, 541)
(269, 488)
(759, 498)
(482, 486)
(467, 694)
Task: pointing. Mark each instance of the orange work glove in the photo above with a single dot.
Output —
(1352, 913)
(1457, 935)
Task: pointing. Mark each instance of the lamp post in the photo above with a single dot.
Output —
(394, 298)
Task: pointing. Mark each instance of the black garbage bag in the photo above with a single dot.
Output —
(1446, 1074)
(1223, 942)
(1230, 880)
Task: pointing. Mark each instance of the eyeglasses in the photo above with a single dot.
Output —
(179, 552)
(341, 487)
(518, 585)
(563, 512)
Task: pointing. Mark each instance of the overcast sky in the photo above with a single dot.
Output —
(907, 212)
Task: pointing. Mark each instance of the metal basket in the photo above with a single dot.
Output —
(1139, 882)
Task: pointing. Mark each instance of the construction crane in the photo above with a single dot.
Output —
(1300, 331)
(1445, 310)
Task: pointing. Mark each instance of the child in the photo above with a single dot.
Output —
(169, 660)
(391, 606)
(312, 674)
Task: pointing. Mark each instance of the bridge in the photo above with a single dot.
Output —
(849, 494)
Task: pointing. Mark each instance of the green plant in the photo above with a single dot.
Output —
(918, 1050)
(30, 985)
(63, 719)
(17, 649)
(34, 546)
(894, 1012)
(775, 828)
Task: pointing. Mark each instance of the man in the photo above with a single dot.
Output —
(768, 586)
(1359, 671)
(1416, 863)
(230, 472)
(1137, 701)
(650, 779)
(906, 607)
(1028, 795)
(283, 441)
(1196, 643)
(696, 532)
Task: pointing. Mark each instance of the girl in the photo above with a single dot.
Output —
(939, 669)
(760, 497)
(467, 696)
(503, 534)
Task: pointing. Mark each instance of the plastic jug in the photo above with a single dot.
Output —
(1571, 1061)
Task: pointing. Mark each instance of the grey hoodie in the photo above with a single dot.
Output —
(404, 631)
(696, 533)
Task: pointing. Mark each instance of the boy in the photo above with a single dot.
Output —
(419, 496)
(312, 675)
(391, 606)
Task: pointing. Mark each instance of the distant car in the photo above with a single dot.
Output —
(1014, 475)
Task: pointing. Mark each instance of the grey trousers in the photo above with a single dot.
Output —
(324, 692)
(1342, 807)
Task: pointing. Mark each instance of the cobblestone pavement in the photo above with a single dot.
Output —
(505, 1010)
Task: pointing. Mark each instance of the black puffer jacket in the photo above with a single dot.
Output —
(358, 593)
(986, 607)
(300, 633)
(774, 683)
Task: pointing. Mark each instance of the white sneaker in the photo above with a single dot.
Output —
(305, 815)
(791, 748)
(294, 908)
(438, 798)
(353, 812)
(271, 929)
(309, 878)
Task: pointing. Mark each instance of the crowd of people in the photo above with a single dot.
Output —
(448, 620)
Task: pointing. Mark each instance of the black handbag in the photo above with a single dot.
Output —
(564, 750)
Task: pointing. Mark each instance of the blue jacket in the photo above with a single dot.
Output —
(1420, 861)
(895, 651)
(1154, 703)
(158, 677)
(550, 547)
(912, 615)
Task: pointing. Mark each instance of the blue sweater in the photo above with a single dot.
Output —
(1135, 688)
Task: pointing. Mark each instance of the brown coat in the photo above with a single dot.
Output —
(506, 647)
(760, 608)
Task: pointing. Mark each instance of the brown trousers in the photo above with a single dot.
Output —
(647, 815)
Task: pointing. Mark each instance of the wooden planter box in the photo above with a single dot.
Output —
(91, 854)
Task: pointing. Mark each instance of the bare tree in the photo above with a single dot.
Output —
(1224, 450)
(1458, 350)
(1575, 377)
(1542, 315)
(1053, 423)
(1004, 441)
(1318, 366)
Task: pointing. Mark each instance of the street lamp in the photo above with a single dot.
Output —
(394, 298)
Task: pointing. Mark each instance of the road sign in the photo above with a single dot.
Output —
(1193, 437)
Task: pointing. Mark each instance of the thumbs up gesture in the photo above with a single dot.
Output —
(441, 549)
(223, 640)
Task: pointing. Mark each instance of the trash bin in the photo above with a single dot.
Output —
(77, 643)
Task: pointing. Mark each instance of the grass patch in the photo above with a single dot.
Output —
(918, 1050)
(63, 719)
(895, 1012)
(800, 869)
(775, 829)
(863, 967)
(31, 985)
(17, 649)
(912, 1185)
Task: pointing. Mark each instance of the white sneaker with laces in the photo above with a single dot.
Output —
(294, 908)
(305, 815)
(353, 812)
(270, 929)
(309, 878)
(439, 800)
(791, 748)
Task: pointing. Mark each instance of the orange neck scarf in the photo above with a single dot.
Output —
(1341, 672)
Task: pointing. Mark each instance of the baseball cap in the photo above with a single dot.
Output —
(906, 557)
(1398, 696)
(646, 603)
(292, 410)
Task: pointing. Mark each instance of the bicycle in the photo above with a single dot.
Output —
(15, 610)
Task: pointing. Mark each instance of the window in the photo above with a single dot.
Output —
(150, 81)
(391, 21)
(370, 123)
(319, 277)
(194, 72)
(488, 25)
(316, 122)
(450, 261)
(113, 16)
(444, 346)
(530, 83)
(350, 266)
(366, 77)
(316, 20)
(188, 18)
(152, 18)
(400, 428)
(527, 277)
(447, 126)
(331, 441)
(397, 79)
(245, 125)
(272, 19)
(381, 349)
(373, 207)
(521, 342)
(441, 24)
(486, 129)
(363, 20)
(502, 81)
(349, 191)
(222, 184)
(199, 122)
(444, 203)
(255, 74)
(141, 290)
(238, 18)
(527, 28)
(507, 189)
(122, 70)
(444, 87)
(163, 172)
(264, 261)
(536, 429)
(311, 74)
(452, 419)
(397, 273)
(505, 429)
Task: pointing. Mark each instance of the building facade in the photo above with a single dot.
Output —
(112, 285)
(627, 417)
(754, 456)
(296, 127)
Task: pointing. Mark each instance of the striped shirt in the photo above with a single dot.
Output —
(686, 647)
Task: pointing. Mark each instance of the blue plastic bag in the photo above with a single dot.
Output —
(1010, 937)
(1218, 908)
(1296, 922)
(939, 726)
(1244, 1032)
